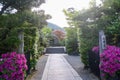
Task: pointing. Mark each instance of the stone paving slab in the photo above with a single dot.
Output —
(57, 68)
(76, 63)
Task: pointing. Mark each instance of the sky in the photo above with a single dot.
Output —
(55, 9)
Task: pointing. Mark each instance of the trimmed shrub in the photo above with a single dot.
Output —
(71, 41)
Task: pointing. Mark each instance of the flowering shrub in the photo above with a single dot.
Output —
(110, 60)
(12, 66)
(95, 49)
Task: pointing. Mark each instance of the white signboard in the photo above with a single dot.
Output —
(102, 41)
(103, 38)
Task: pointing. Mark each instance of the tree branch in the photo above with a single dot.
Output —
(4, 8)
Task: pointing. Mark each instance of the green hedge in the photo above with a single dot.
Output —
(71, 42)
(88, 37)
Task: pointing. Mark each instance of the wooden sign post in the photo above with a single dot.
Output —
(102, 47)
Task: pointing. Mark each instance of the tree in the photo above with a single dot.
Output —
(111, 15)
(71, 41)
(89, 21)
(27, 22)
(46, 33)
(60, 34)
(70, 14)
(84, 22)
(19, 5)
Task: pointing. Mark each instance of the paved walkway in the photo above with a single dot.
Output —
(37, 74)
(57, 68)
(76, 63)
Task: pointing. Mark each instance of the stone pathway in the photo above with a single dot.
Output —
(76, 63)
(57, 68)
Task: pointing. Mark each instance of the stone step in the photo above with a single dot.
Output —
(55, 50)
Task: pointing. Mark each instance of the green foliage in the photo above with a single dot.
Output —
(13, 39)
(70, 14)
(86, 31)
(33, 58)
(112, 29)
(113, 34)
(46, 32)
(62, 42)
(88, 37)
(9, 42)
(71, 41)
(41, 50)
(19, 5)
(32, 44)
(90, 21)
(28, 22)
(46, 36)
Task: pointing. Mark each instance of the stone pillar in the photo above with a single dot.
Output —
(21, 46)
(102, 47)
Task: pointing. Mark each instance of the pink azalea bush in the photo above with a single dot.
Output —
(12, 66)
(110, 60)
(95, 49)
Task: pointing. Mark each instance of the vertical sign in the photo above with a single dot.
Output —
(21, 46)
(102, 41)
(102, 46)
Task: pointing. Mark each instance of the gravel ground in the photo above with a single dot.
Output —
(37, 75)
(79, 67)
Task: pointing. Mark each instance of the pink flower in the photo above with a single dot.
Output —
(95, 49)
(1, 59)
(110, 60)
(12, 66)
